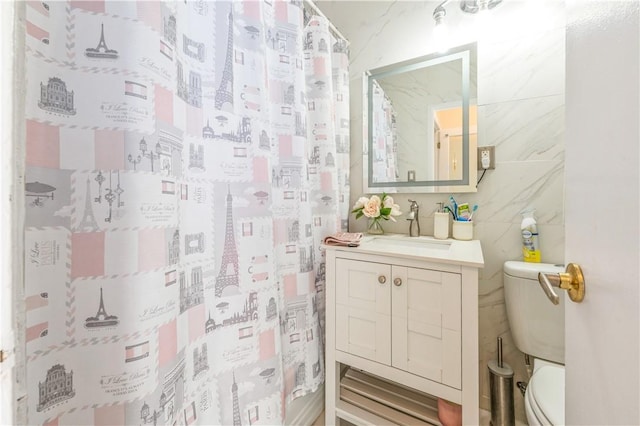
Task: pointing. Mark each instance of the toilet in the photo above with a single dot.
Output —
(537, 327)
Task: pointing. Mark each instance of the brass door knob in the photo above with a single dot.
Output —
(382, 279)
(572, 280)
(397, 282)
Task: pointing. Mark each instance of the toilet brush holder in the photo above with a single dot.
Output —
(501, 389)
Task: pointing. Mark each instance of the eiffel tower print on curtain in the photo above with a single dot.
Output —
(237, 420)
(101, 50)
(102, 318)
(227, 277)
(224, 93)
(88, 222)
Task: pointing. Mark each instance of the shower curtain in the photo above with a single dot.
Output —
(385, 137)
(184, 161)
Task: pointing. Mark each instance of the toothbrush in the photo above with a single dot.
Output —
(453, 215)
(455, 207)
(475, 207)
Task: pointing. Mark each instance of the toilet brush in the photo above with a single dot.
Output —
(501, 388)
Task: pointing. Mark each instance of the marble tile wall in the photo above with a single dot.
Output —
(521, 112)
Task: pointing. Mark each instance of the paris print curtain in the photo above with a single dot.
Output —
(184, 161)
(385, 143)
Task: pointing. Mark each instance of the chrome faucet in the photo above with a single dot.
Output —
(412, 216)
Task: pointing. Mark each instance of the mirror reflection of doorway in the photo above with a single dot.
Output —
(448, 141)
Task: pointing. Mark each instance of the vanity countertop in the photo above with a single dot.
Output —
(466, 253)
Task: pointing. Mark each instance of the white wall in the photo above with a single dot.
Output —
(305, 410)
(521, 63)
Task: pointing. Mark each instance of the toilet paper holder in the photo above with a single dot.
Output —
(571, 280)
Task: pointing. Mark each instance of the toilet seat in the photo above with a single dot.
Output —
(535, 416)
(545, 396)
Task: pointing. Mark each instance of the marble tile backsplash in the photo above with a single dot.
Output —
(521, 112)
(535, 124)
(521, 68)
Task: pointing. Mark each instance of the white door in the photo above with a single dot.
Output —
(602, 196)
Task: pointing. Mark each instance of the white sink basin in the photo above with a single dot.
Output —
(411, 242)
(423, 248)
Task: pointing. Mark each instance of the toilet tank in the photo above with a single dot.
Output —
(537, 325)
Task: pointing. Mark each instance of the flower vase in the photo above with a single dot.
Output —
(375, 227)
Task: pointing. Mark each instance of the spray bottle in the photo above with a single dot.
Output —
(529, 230)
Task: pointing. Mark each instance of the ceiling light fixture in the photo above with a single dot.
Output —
(439, 13)
(467, 6)
(475, 6)
(440, 31)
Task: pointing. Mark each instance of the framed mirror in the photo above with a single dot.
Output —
(421, 123)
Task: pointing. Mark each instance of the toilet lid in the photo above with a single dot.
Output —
(547, 387)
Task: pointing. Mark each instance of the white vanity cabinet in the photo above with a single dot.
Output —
(404, 310)
(408, 318)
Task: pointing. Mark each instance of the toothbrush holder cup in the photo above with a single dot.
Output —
(462, 230)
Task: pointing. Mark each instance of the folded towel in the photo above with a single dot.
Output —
(349, 239)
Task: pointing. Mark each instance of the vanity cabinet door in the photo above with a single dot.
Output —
(363, 309)
(426, 324)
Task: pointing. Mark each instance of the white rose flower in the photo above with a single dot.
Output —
(372, 207)
(360, 203)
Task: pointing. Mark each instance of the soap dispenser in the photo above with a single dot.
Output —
(441, 223)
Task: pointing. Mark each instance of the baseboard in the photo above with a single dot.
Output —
(304, 411)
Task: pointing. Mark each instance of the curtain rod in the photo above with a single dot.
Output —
(333, 28)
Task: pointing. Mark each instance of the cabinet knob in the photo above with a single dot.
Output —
(382, 279)
(397, 282)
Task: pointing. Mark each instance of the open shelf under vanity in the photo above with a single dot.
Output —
(369, 400)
